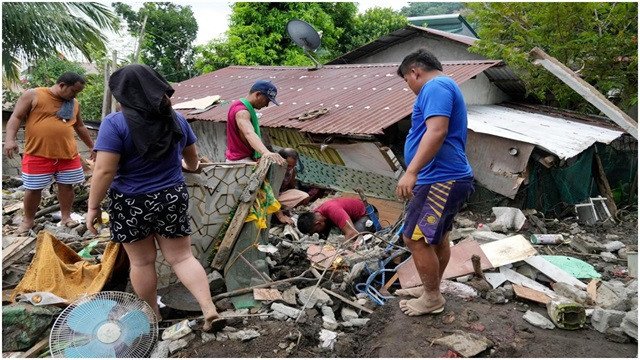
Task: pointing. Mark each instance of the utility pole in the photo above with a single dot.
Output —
(114, 61)
(136, 56)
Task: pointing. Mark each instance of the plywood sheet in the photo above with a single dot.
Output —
(553, 272)
(519, 279)
(508, 250)
(267, 294)
(459, 264)
(530, 294)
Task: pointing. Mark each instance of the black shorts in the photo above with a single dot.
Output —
(135, 217)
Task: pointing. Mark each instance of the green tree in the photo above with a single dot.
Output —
(597, 40)
(430, 8)
(35, 30)
(257, 33)
(169, 35)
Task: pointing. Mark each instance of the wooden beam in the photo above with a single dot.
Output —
(586, 90)
(603, 184)
(247, 198)
(20, 247)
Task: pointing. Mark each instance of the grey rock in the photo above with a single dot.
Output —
(608, 296)
(496, 296)
(181, 343)
(614, 246)
(603, 319)
(608, 257)
(538, 320)
(222, 336)
(285, 310)
(161, 350)
(329, 323)
(216, 281)
(246, 335)
(208, 337)
(359, 322)
(289, 295)
(528, 271)
(465, 344)
(328, 312)
(463, 222)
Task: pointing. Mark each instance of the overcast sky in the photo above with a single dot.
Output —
(213, 20)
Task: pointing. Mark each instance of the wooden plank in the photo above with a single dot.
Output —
(246, 201)
(508, 250)
(586, 90)
(592, 289)
(530, 294)
(13, 207)
(36, 349)
(390, 282)
(519, 279)
(267, 294)
(352, 303)
(553, 272)
(21, 248)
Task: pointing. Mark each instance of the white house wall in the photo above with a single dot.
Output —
(443, 49)
(481, 91)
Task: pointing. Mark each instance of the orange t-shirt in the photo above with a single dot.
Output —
(46, 135)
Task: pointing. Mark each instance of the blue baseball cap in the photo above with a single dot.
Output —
(267, 88)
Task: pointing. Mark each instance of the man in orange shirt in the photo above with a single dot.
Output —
(52, 116)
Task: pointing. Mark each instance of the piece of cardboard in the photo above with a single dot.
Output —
(531, 294)
(267, 294)
(459, 264)
(508, 250)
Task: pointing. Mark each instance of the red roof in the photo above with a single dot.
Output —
(363, 99)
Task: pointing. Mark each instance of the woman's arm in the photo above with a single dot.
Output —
(104, 170)
(190, 160)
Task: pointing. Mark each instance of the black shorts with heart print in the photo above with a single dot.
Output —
(135, 217)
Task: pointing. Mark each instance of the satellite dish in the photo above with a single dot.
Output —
(305, 36)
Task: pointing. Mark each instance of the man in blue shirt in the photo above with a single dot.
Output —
(438, 179)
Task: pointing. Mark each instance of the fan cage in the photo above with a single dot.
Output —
(63, 337)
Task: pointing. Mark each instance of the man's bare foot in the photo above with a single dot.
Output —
(24, 228)
(413, 292)
(422, 306)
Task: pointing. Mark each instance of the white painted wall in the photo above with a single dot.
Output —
(481, 91)
(443, 49)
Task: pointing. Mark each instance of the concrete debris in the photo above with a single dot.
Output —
(507, 218)
(348, 314)
(617, 335)
(630, 324)
(458, 289)
(207, 337)
(603, 319)
(609, 257)
(285, 310)
(244, 335)
(614, 246)
(289, 295)
(181, 343)
(312, 298)
(161, 350)
(538, 320)
(466, 344)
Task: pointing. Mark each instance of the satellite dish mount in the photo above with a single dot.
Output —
(305, 36)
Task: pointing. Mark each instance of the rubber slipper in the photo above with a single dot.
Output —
(70, 224)
(216, 325)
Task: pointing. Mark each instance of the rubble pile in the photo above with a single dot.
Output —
(319, 293)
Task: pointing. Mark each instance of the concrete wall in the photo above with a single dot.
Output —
(212, 139)
(480, 91)
(443, 49)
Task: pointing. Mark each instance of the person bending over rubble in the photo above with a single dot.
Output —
(290, 197)
(50, 152)
(438, 179)
(138, 165)
(349, 215)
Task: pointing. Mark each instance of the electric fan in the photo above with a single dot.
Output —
(108, 324)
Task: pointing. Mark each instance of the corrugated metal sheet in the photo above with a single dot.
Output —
(390, 39)
(561, 137)
(362, 99)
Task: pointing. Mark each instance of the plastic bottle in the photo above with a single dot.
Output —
(547, 239)
(178, 330)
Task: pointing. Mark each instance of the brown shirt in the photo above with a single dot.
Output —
(46, 135)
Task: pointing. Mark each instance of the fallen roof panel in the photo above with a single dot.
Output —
(561, 137)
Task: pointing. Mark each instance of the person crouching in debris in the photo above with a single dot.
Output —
(290, 197)
(243, 131)
(50, 152)
(438, 179)
(349, 215)
(141, 152)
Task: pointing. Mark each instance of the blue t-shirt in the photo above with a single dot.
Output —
(440, 96)
(136, 175)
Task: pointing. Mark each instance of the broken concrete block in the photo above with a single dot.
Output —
(314, 298)
(216, 281)
(483, 236)
(497, 296)
(208, 337)
(463, 222)
(507, 218)
(609, 296)
(355, 272)
(528, 271)
(161, 350)
(181, 343)
(630, 324)
(359, 322)
(617, 335)
(608, 257)
(329, 323)
(614, 246)
(465, 344)
(368, 255)
(538, 320)
(289, 295)
(348, 314)
(602, 319)
(244, 335)
(285, 310)
(328, 311)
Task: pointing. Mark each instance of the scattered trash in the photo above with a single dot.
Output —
(566, 314)
(547, 239)
(42, 298)
(327, 339)
(179, 330)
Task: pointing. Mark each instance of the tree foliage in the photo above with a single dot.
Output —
(257, 33)
(430, 8)
(169, 35)
(36, 30)
(597, 40)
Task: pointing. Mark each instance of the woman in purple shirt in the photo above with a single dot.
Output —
(140, 155)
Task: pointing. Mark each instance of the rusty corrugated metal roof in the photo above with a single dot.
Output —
(363, 99)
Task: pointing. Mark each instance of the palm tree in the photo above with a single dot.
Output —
(32, 30)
